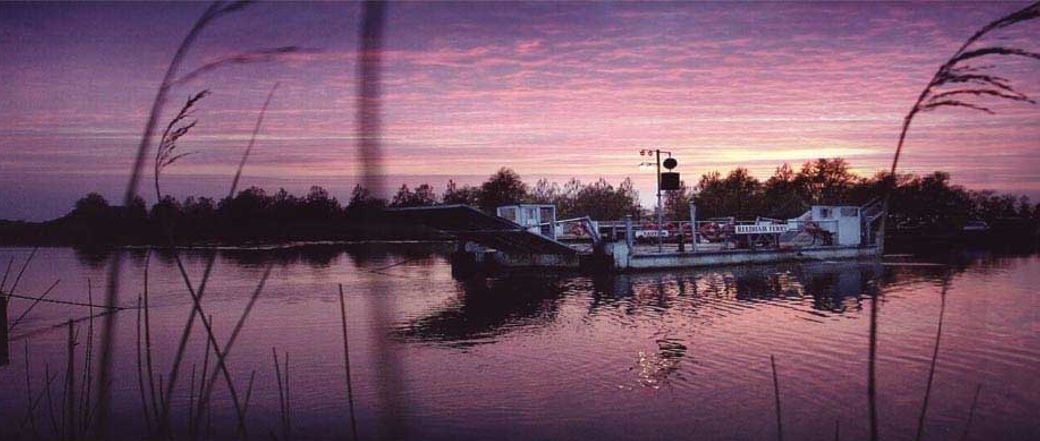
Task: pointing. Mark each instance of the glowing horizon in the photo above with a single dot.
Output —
(549, 90)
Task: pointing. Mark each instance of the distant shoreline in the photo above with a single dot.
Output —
(923, 210)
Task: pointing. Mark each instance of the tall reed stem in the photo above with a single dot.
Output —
(776, 395)
(50, 401)
(872, 368)
(5, 348)
(140, 372)
(28, 390)
(21, 271)
(146, 314)
(283, 395)
(87, 365)
(3, 282)
(207, 388)
(954, 71)
(5, 356)
(971, 412)
(191, 400)
(249, 392)
(288, 401)
(108, 334)
(186, 332)
(201, 407)
(35, 302)
(935, 357)
(69, 413)
(346, 364)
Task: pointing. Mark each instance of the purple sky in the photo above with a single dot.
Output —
(549, 89)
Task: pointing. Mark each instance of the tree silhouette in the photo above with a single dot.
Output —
(601, 201)
(503, 188)
(362, 202)
(422, 196)
(90, 206)
(738, 194)
(318, 205)
(677, 202)
(785, 194)
(544, 192)
(827, 181)
(467, 195)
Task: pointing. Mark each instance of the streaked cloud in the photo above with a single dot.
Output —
(569, 89)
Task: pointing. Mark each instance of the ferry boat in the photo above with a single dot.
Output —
(531, 236)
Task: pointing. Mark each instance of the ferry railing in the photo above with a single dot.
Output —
(577, 228)
(725, 234)
(870, 213)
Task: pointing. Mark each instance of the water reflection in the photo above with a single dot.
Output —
(365, 254)
(832, 287)
(655, 369)
(542, 352)
(487, 308)
(93, 257)
(166, 257)
(315, 255)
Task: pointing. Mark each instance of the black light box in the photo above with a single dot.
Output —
(669, 181)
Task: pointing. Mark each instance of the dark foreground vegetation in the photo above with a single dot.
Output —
(921, 206)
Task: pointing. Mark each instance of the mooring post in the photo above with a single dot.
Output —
(5, 357)
(628, 231)
(693, 225)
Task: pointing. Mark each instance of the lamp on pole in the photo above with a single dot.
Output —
(670, 181)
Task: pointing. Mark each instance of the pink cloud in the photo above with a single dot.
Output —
(554, 96)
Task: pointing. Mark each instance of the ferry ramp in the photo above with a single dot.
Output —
(469, 224)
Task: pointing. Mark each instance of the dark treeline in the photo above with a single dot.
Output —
(929, 200)
(253, 215)
(921, 207)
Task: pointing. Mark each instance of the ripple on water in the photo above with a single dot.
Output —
(676, 355)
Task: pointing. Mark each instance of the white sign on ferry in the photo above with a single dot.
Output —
(645, 234)
(762, 229)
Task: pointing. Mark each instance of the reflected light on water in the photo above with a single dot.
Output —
(678, 354)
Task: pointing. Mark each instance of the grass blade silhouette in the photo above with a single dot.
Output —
(108, 335)
(33, 305)
(21, 272)
(776, 395)
(140, 373)
(222, 355)
(953, 72)
(872, 367)
(346, 364)
(186, 331)
(971, 412)
(935, 356)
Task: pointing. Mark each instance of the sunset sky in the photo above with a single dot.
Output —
(553, 90)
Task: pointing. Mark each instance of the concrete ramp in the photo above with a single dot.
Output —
(468, 223)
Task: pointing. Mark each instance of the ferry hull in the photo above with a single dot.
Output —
(624, 261)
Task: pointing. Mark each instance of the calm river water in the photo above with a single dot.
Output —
(663, 355)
